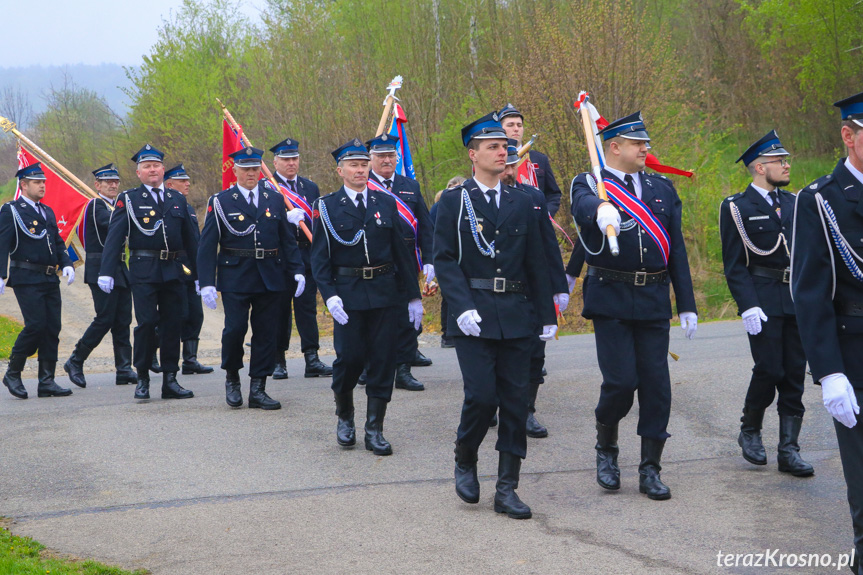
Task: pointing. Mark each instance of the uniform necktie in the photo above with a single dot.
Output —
(492, 201)
(388, 184)
(41, 209)
(361, 205)
(774, 198)
(293, 185)
(157, 196)
(252, 198)
(630, 184)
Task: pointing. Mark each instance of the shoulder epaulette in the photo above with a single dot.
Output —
(734, 197)
(819, 182)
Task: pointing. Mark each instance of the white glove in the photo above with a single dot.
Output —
(562, 301)
(570, 281)
(2, 285)
(607, 215)
(689, 323)
(106, 283)
(468, 322)
(839, 398)
(752, 319)
(301, 284)
(428, 272)
(337, 309)
(415, 312)
(198, 287)
(295, 216)
(208, 295)
(69, 272)
(548, 332)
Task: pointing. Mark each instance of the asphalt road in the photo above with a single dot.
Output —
(189, 487)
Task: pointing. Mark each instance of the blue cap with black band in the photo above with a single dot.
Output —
(486, 128)
(630, 127)
(852, 108)
(108, 172)
(31, 172)
(351, 150)
(768, 145)
(148, 154)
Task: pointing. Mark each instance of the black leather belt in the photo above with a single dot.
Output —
(499, 285)
(161, 254)
(98, 256)
(849, 308)
(365, 273)
(47, 270)
(638, 279)
(783, 275)
(257, 253)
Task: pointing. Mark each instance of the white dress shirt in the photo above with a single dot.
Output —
(352, 194)
(484, 189)
(636, 180)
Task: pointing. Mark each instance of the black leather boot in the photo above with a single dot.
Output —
(789, 451)
(362, 379)
(375, 442)
(233, 394)
(607, 471)
(12, 379)
(123, 366)
(172, 390)
(648, 472)
(258, 398)
(314, 366)
(446, 342)
(281, 369)
(74, 366)
(534, 428)
(406, 380)
(505, 498)
(420, 360)
(346, 433)
(142, 390)
(190, 359)
(47, 386)
(466, 482)
(750, 436)
(154, 366)
(493, 422)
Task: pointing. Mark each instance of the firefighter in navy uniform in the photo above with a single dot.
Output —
(628, 299)
(755, 226)
(827, 286)
(513, 124)
(556, 278)
(178, 179)
(114, 310)
(362, 267)
(383, 173)
(245, 248)
(491, 264)
(30, 239)
(286, 159)
(154, 220)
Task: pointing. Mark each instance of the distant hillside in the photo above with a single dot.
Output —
(35, 81)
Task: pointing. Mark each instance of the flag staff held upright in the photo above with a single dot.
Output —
(388, 104)
(590, 139)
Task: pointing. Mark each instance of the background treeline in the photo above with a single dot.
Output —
(710, 76)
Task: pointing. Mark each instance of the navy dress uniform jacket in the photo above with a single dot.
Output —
(821, 283)
(556, 273)
(520, 256)
(409, 192)
(247, 274)
(98, 216)
(50, 251)
(310, 191)
(385, 246)
(619, 300)
(545, 180)
(177, 233)
(763, 227)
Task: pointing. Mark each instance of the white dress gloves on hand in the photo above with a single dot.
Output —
(295, 216)
(415, 312)
(562, 301)
(301, 284)
(839, 399)
(337, 309)
(468, 322)
(69, 272)
(570, 281)
(106, 283)
(752, 319)
(607, 215)
(548, 332)
(428, 272)
(208, 296)
(689, 323)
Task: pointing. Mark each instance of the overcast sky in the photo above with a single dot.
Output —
(62, 32)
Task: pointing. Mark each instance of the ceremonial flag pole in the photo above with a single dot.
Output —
(388, 104)
(264, 168)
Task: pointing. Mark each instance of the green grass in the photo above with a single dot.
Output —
(9, 330)
(23, 556)
(7, 190)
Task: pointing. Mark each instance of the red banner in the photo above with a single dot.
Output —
(231, 142)
(65, 200)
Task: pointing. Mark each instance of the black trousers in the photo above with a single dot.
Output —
(444, 314)
(40, 305)
(780, 365)
(368, 339)
(305, 308)
(113, 313)
(158, 304)
(537, 360)
(633, 357)
(264, 307)
(406, 335)
(851, 453)
(495, 374)
(193, 319)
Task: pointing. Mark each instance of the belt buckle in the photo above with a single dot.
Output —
(163, 255)
(499, 285)
(640, 279)
(786, 276)
(49, 271)
(259, 253)
(368, 273)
